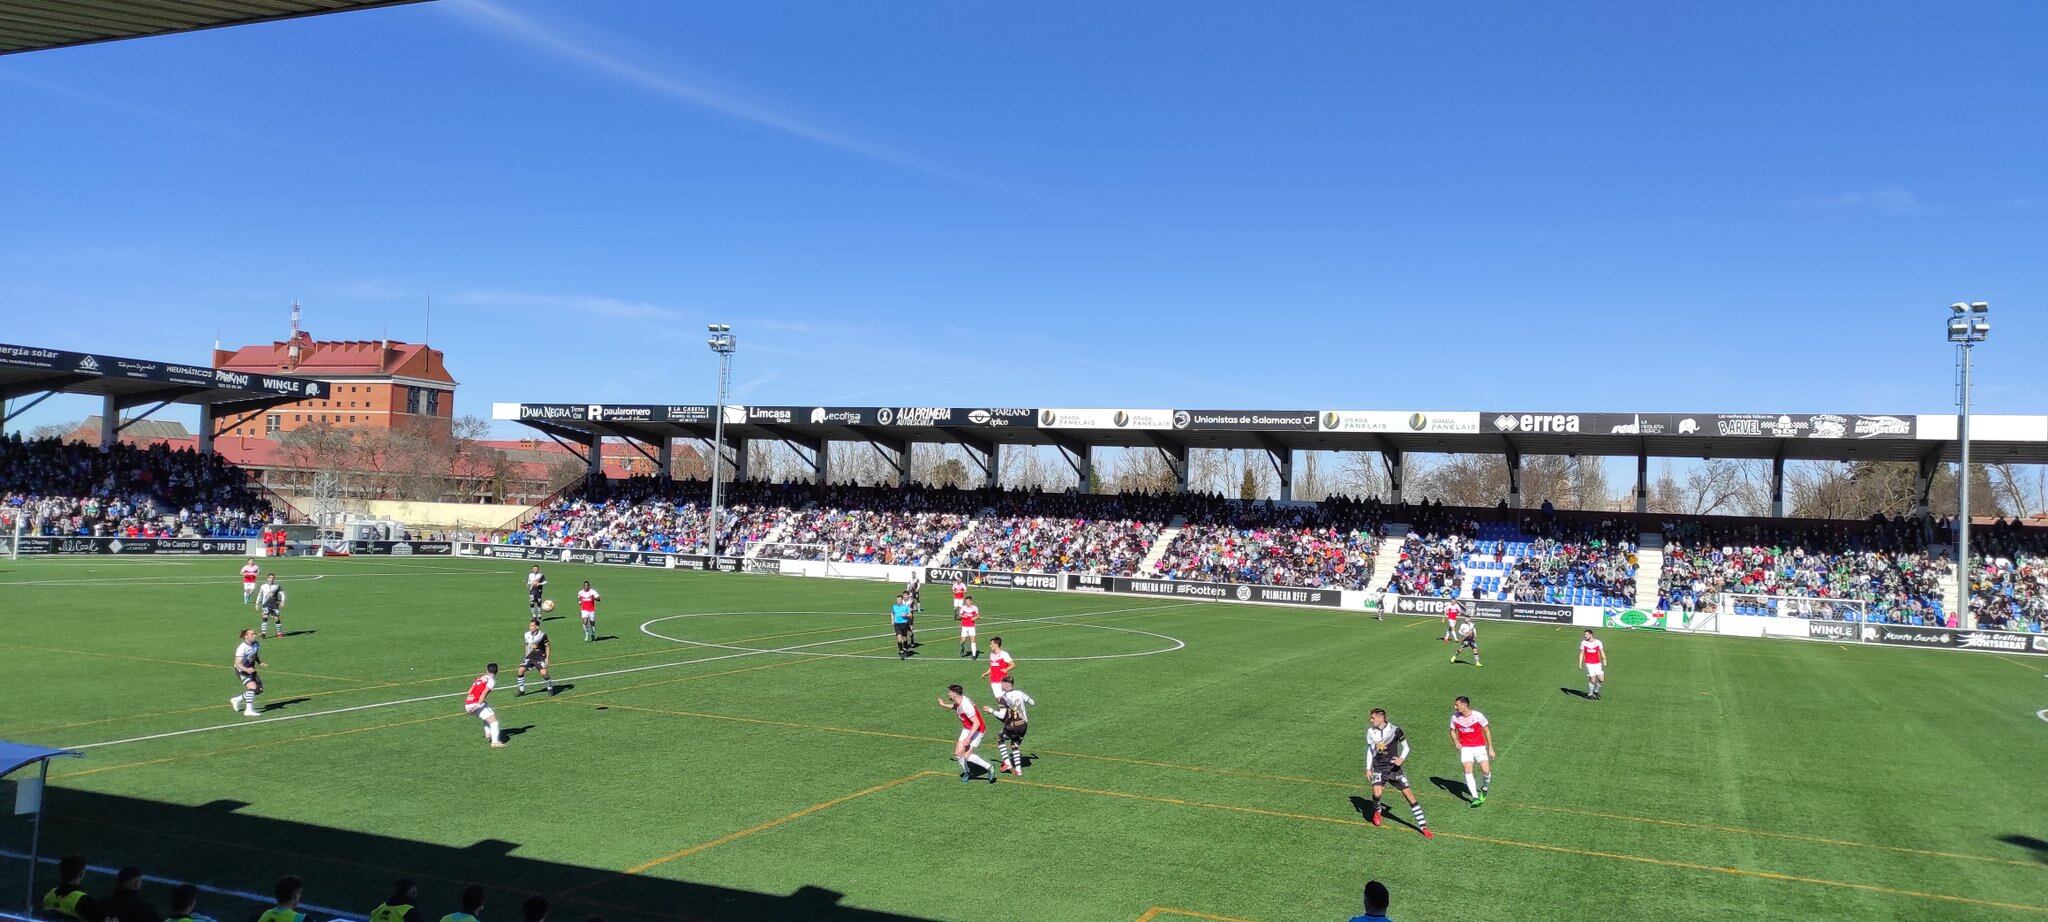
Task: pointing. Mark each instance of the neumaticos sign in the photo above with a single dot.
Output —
(168, 373)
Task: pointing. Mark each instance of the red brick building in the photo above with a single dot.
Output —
(376, 384)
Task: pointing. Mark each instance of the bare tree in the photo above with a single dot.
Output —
(52, 430)
(1361, 474)
(1718, 486)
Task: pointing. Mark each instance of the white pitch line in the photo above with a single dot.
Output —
(1178, 644)
(595, 675)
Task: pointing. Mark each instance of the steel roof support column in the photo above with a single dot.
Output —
(985, 454)
(1079, 455)
(206, 428)
(1923, 483)
(665, 457)
(1778, 482)
(1514, 473)
(1642, 479)
(1283, 464)
(1397, 468)
(742, 464)
(110, 421)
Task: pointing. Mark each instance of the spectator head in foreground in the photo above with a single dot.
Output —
(1375, 903)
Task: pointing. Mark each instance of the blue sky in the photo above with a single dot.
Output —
(1699, 206)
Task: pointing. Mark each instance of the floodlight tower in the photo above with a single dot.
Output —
(724, 343)
(1969, 323)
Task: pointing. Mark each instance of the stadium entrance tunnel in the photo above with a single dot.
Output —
(865, 635)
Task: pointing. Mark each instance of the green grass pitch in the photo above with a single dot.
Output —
(1194, 760)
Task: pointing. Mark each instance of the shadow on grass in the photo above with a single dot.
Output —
(219, 844)
(2038, 846)
(281, 705)
(1364, 808)
(1575, 692)
(1454, 788)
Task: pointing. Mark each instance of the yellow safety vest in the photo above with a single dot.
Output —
(386, 912)
(64, 903)
(281, 914)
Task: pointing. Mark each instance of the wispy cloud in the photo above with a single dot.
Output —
(597, 305)
(154, 113)
(599, 53)
(1892, 200)
(753, 384)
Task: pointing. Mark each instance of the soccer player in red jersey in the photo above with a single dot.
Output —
(475, 704)
(999, 666)
(1451, 614)
(971, 728)
(969, 615)
(1593, 656)
(1474, 741)
(586, 602)
(249, 573)
(959, 596)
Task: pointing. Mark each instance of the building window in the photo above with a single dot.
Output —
(351, 419)
(270, 424)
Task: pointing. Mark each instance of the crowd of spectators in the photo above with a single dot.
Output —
(1883, 563)
(1328, 545)
(2009, 576)
(1433, 551)
(71, 489)
(1571, 560)
(875, 525)
(1066, 532)
(646, 514)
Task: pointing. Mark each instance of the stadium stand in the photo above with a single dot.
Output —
(874, 525)
(72, 489)
(1327, 545)
(1064, 532)
(1884, 563)
(1560, 559)
(645, 514)
(2009, 578)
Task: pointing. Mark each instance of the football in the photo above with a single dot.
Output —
(547, 605)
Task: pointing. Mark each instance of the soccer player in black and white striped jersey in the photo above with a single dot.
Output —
(1013, 709)
(1386, 763)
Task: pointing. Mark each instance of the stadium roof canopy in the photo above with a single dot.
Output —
(1779, 437)
(35, 25)
(129, 383)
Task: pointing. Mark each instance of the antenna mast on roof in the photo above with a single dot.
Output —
(292, 346)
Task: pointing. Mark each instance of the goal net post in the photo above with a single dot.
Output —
(1794, 606)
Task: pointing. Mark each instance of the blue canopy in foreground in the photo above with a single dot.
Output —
(16, 755)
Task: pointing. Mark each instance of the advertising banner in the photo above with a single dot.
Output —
(1710, 425)
(1104, 419)
(1294, 420)
(994, 579)
(1493, 609)
(1942, 638)
(763, 565)
(1636, 619)
(1398, 421)
(1217, 592)
(84, 363)
(39, 544)
(403, 548)
(1851, 631)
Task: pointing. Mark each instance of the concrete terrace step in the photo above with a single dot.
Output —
(1385, 559)
(1149, 566)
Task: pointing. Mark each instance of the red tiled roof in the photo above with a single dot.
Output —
(339, 358)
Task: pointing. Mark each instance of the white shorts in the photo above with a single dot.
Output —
(970, 738)
(966, 630)
(482, 712)
(958, 604)
(996, 689)
(1471, 754)
(1595, 671)
(590, 616)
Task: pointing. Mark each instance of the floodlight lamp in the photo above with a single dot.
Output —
(1980, 307)
(1960, 306)
(1981, 327)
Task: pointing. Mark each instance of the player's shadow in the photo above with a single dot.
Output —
(511, 732)
(1364, 808)
(1575, 692)
(299, 633)
(546, 618)
(281, 705)
(1454, 788)
(601, 638)
(2038, 846)
(228, 844)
